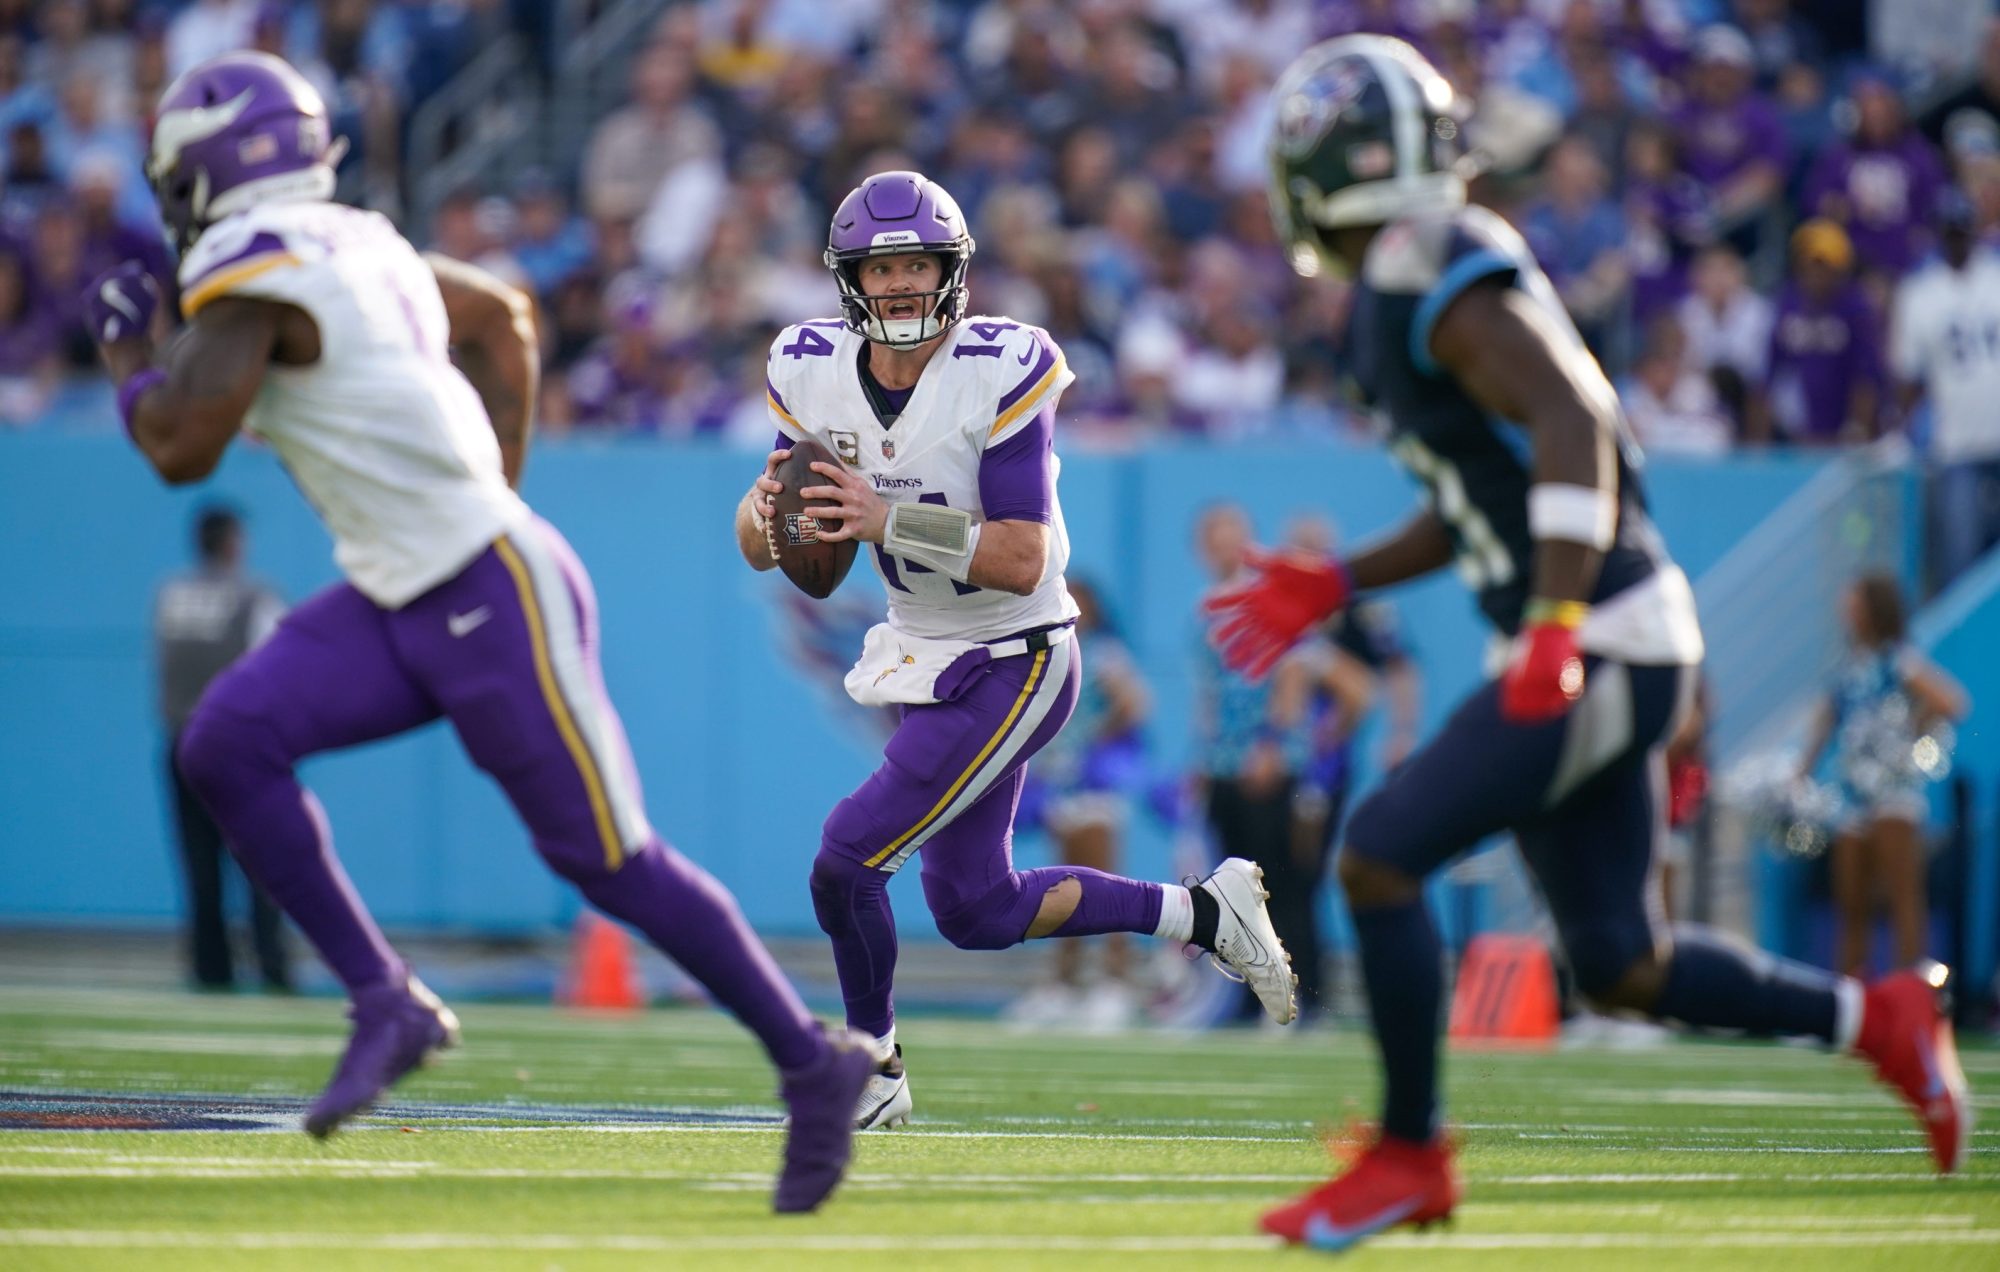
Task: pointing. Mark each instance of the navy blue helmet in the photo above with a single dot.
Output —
(1366, 131)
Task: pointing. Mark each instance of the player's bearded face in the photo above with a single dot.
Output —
(895, 285)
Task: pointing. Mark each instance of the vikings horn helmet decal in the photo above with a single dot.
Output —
(236, 130)
(895, 212)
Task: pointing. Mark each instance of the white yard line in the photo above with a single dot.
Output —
(183, 1043)
(257, 1168)
(1706, 1177)
(646, 1243)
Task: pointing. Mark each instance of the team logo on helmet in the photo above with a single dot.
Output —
(895, 213)
(1365, 132)
(1310, 109)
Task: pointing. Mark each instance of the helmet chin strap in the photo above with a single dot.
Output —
(307, 185)
(904, 333)
(315, 184)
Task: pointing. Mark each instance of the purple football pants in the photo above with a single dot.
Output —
(949, 784)
(507, 651)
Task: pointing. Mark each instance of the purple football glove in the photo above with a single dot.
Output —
(121, 303)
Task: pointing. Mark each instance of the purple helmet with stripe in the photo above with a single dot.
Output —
(238, 129)
(898, 212)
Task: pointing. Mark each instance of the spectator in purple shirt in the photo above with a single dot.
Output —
(1668, 218)
(1730, 136)
(1879, 184)
(617, 385)
(108, 240)
(1823, 380)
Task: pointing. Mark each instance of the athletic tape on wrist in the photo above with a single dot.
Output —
(941, 538)
(1568, 614)
(1573, 514)
(128, 393)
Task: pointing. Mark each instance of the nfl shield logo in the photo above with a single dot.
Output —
(888, 448)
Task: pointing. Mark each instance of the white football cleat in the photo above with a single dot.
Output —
(1247, 947)
(885, 1101)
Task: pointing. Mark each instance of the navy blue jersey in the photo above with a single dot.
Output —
(1475, 468)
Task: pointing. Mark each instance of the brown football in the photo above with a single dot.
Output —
(816, 567)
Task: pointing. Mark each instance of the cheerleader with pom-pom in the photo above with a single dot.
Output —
(1887, 714)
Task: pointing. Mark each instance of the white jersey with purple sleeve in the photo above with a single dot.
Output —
(386, 439)
(977, 432)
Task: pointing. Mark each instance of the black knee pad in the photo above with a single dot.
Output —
(1370, 827)
(1601, 954)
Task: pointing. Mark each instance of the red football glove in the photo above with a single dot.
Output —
(1546, 677)
(1256, 622)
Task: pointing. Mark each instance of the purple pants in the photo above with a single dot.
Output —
(949, 785)
(507, 651)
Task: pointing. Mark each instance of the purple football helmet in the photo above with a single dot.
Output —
(236, 130)
(894, 212)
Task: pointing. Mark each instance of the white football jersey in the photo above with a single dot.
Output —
(386, 439)
(1945, 334)
(989, 380)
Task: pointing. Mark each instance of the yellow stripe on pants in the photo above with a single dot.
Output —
(586, 764)
(1006, 727)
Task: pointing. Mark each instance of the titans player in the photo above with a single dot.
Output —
(1532, 490)
(319, 329)
(946, 426)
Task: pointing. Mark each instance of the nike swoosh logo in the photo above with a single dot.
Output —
(1027, 355)
(464, 624)
(1323, 1234)
(111, 296)
(1933, 1080)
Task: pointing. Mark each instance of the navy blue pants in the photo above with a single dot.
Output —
(1584, 795)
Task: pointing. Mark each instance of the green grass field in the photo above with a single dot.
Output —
(1136, 1152)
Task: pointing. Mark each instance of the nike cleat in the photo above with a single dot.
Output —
(820, 1137)
(396, 1028)
(1247, 947)
(885, 1101)
(1906, 1033)
(1394, 1182)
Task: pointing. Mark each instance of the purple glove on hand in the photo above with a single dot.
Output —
(121, 303)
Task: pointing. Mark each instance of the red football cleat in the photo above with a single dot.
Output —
(1395, 1182)
(1906, 1034)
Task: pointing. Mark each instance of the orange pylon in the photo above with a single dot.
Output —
(1506, 993)
(602, 976)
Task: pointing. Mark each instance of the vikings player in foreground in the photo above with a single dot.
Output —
(1532, 489)
(319, 329)
(946, 424)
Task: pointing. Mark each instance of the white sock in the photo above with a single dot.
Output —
(1847, 1008)
(1176, 914)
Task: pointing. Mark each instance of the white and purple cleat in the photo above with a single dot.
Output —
(820, 1140)
(396, 1028)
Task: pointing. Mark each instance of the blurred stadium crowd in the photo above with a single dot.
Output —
(1727, 192)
